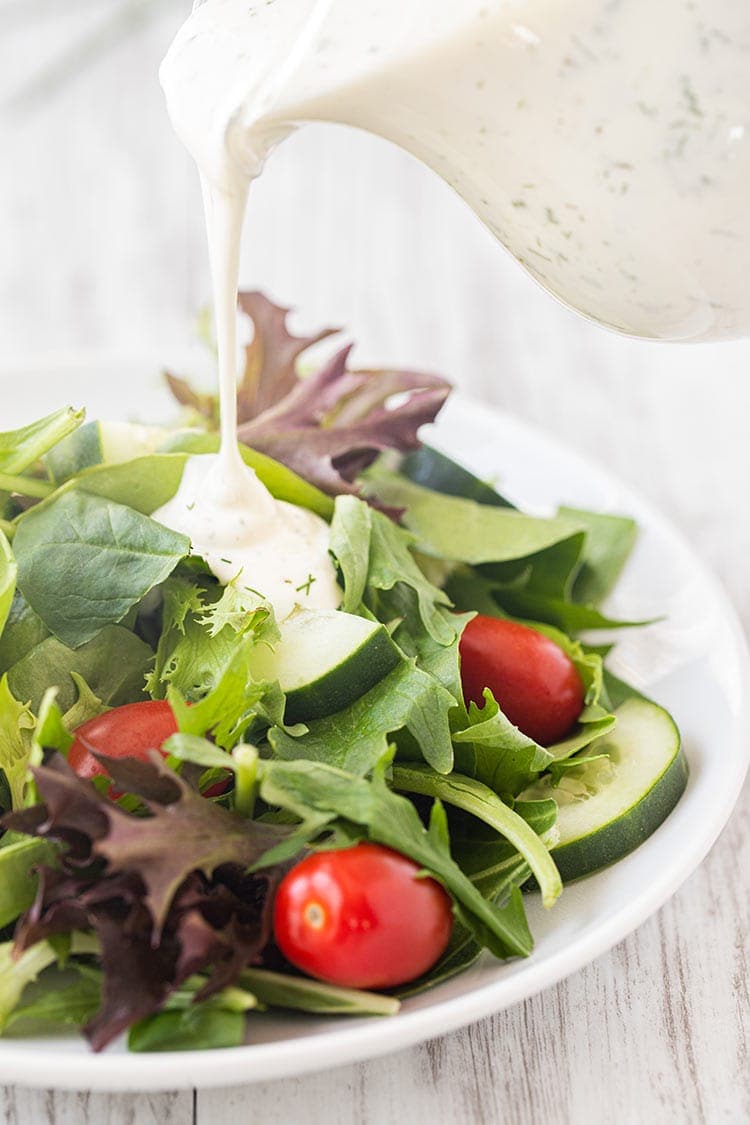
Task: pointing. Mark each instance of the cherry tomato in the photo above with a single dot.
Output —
(130, 731)
(535, 683)
(361, 918)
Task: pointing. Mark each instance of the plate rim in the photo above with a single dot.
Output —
(50, 1068)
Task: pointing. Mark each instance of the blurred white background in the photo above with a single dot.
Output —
(102, 247)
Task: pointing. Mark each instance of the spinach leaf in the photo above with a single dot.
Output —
(203, 1026)
(143, 484)
(84, 561)
(23, 630)
(451, 527)
(609, 541)
(433, 469)
(114, 665)
(281, 481)
(309, 787)
(355, 738)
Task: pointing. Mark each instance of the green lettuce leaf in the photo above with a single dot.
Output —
(357, 737)
(84, 562)
(113, 665)
(19, 449)
(451, 527)
(375, 556)
(58, 1000)
(203, 625)
(495, 752)
(23, 630)
(16, 741)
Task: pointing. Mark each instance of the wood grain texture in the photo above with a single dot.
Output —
(101, 244)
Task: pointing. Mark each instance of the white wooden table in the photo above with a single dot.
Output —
(101, 245)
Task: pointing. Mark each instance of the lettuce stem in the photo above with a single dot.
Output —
(26, 486)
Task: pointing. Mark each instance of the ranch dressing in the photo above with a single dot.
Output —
(606, 145)
(243, 533)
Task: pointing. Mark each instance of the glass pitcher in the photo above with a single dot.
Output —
(605, 144)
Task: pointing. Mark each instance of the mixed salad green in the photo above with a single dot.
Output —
(137, 893)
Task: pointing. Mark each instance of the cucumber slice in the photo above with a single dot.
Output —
(609, 806)
(325, 660)
(98, 443)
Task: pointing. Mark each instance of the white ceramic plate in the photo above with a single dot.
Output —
(695, 663)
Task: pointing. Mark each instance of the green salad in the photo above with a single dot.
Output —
(209, 812)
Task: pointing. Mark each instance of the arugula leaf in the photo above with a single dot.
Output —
(19, 449)
(307, 787)
(479, 800)
(281, 990)
(451, 527)
(113, 665)
(469, 589)
(355, 738)
(351, 532)
(376, 556)
(494, 751)
(84, 561)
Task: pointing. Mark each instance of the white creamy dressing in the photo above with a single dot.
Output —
(243, 533)
(606, 144)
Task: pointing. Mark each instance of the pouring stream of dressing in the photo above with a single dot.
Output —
(245, 535)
